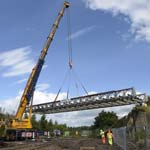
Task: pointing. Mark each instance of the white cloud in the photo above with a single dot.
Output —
(137, 10)
(16, 62)
(42, 87)
(91, 92)
(81, 32)
(43, 97)
(21, 81)
(10, 105)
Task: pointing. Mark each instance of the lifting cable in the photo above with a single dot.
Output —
(66, 76)
(69, 82)
(70, 63)
(69, 39)
(70, 54)
(77, 78)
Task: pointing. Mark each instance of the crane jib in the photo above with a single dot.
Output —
(31, 89)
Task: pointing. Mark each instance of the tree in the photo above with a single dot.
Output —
(56, 123)
(121, 122)
(61, 127)
(50, 125)
(43, 123)
(35, 124)
(148, 102)
(2, 130)
(105, 120)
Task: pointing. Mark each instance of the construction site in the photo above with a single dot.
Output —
(117, 119)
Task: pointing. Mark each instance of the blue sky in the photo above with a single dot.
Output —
(110, 43)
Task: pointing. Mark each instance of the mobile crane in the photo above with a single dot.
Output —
(19, 122)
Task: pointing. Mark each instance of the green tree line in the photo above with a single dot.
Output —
(44, 124)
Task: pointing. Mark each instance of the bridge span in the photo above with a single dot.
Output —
(94, 101)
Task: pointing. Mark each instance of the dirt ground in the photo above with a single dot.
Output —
(60, 144)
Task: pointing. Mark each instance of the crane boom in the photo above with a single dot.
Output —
(27, 97)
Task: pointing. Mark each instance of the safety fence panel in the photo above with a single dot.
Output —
(138, 138)
(120, 137)
(135, 138)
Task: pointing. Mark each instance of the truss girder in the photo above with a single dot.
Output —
(94, 101)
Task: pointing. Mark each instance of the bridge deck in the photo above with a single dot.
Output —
(94, 101)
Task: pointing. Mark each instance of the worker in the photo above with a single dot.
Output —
(110, 137)
(144, 105)
(77, 133)
(102, 134)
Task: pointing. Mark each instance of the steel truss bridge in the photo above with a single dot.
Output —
(94, 101)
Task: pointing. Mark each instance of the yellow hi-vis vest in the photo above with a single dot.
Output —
(102, 134)
(109, 135)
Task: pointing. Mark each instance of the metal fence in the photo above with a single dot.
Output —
(132, 138)
(120, 137)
